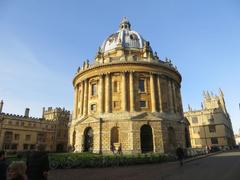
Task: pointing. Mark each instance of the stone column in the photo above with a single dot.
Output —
(108, 103)
(75, 103)
(174, 97)
(131, 88)
(85, 107)
(180, 100)
(100, 94)
(124, 94)
(170, 96)
(81, 99)
(153, 95)
(159, 93)
(78, 100)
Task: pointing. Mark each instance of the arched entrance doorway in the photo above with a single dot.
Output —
(88, 140)
(146, 138)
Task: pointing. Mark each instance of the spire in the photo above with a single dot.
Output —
(125, 24)
(221, 92)
(1, 106)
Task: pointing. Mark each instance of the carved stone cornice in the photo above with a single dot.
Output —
(147, 67)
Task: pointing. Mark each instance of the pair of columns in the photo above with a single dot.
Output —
(82, 93)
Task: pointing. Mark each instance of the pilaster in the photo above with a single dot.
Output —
(124, 94)
(153, 94)
(100, 94)
(159, 93)
(131, 88)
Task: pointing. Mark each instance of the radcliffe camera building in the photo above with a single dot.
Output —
(127, 98)
(22, 132)
(211, 125)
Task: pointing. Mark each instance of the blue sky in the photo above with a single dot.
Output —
(42, 43)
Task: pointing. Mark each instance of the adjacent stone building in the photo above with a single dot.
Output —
(22, 133)
(237, 138)
(127, 98)
(211, 125)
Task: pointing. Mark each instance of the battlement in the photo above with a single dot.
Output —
(8, 115)
(211, 102)
(55, 113)
(55, 110)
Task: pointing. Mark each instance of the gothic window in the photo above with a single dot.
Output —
(94, 89)
(141, 85)
(212, 128)
(194, 120)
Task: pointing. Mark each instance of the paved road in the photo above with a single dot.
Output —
(223, 166)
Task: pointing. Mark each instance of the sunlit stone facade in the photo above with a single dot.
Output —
(127, 98)
(211, 125)
(22, 132)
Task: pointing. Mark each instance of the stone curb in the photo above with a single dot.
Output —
(201, 157)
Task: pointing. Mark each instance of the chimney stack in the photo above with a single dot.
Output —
(43, 112)
(1, 106)
(27, 112)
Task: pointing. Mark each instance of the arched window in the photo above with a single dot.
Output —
(88, 139)
(114, 135)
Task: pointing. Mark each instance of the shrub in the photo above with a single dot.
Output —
(83, 160)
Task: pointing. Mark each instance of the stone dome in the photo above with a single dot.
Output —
(124, 37)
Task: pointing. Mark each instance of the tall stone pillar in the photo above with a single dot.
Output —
(85, 107)
(78, 100)
(153, 95)
(100, 94)
(131, 88)
(108, 103)
(1, 106)
(174, 97)
(124, 94)
(75, 103)
(159, 93)
(81, 99)
(180, 101)
(170, 96)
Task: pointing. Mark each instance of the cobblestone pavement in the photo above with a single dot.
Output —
(222, 166)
